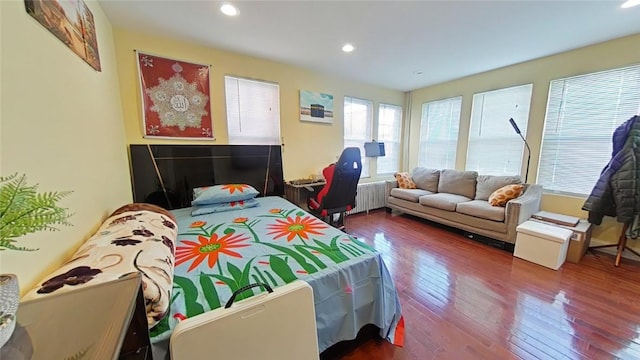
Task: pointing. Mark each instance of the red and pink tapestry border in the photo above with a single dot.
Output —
(175, 98)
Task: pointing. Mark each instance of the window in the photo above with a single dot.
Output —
(389, 127)
(253, 111)
(358, 119)
(494, 147)
(582, 114)
(439, 133)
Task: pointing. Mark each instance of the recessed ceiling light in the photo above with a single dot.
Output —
(630, 3)
(229, 9)
(347, 48)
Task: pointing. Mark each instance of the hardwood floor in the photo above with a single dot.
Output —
(462, 299)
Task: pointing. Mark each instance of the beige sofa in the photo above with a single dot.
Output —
(459, 199)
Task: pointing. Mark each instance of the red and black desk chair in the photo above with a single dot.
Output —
(339, 193)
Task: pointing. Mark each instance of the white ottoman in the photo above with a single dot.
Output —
(542, 244)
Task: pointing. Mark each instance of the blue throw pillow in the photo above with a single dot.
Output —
(214, 208)
(223, 194)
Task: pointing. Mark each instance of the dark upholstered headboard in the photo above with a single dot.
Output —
(165, 175)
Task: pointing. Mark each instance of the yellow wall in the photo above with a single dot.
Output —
(62, 122)
(61, 125)
(309, 147)
(540, 72)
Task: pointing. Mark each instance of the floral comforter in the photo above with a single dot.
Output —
(131, 241)
(276, 243)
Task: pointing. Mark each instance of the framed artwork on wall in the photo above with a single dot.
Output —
(175, 98)
(316, 107)
(72, 22)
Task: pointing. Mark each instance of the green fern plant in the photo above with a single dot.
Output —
(23, 210)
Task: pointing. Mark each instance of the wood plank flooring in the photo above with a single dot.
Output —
(462, 299)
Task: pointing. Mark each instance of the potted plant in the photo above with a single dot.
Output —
(22, 211)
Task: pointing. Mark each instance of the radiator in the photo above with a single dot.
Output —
(370, 196)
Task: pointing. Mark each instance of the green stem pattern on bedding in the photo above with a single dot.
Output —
(243, 224)
(302, 250)
(282, 269)
(217, 255)
(209, 292)
(193, 307)
(310, 269)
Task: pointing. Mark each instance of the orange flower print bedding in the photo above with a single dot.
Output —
(217, 254)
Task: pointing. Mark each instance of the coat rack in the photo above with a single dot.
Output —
(620, 201)
(621, 245)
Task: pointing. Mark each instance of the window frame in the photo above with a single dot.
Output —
(423, 141)
(564, 112)
(359, 142)
(396, 145)
(275, 136)
(499, 129)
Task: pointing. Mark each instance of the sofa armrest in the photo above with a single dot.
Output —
(390, 184)
(520, 210)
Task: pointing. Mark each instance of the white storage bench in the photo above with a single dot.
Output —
(542, 244)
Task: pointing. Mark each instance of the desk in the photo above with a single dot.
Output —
(299, 193)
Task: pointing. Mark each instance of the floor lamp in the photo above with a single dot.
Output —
(517, 129)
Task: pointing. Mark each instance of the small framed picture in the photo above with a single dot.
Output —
(70, 21)
(316, 107)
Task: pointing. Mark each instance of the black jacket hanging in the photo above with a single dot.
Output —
(617, 191)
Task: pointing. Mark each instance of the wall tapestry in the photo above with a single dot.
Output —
(72, 23)
(316, 107)
(175, 98)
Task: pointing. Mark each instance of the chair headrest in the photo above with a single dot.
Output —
(349, 157)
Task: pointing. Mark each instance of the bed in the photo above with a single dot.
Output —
(276, 243)
(191, 264)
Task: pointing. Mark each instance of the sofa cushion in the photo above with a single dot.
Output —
(426, 179)
(487, 184)
(443, 201)
(501, 196)
(458, 182)
(408, 194)
(481, 209)
(405, 181)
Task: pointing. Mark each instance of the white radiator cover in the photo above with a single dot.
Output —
(370, 196)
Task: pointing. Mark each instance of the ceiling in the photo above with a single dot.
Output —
(402, 45)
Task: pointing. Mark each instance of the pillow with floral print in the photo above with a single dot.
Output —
(230, 206)
(227, 193)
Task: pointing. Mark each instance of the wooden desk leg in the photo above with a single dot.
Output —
(622, 243)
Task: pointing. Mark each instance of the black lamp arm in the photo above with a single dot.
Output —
(517, 129)
(515, 126)
(526, 176)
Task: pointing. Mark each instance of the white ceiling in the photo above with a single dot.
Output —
(394, 40)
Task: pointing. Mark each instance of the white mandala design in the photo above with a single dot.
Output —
(178, 102)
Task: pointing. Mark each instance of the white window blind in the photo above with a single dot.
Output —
(494, 147)
(253, 111)
(439, 133)
(389, 128)
(582, 114)
(358, 120)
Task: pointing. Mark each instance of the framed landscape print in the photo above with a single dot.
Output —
(72, 23)
(175, 98)
(316, 107)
